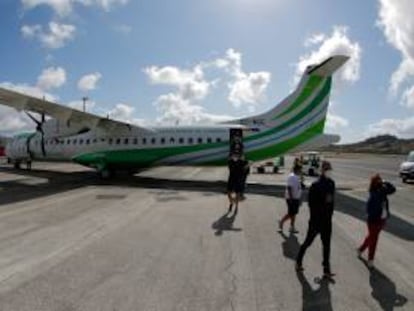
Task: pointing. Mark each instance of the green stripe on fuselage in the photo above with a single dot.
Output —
(279, 148)
(142, 157)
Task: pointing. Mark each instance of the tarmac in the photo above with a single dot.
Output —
(161, 240)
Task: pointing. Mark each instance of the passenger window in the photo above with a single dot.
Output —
(94, 141)
(181, 140)
(75, 141)
(88, 141)
(190, 140)
(218, 140)
(68, 142)
(153, 141)
(163, 140)
(118, 141)
(80, 141)
(135, 141)
(200, 140)
(126, 141)
(110, 141)
(172, 140)
(209, 140)
(144, 141)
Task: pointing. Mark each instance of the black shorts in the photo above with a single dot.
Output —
(234, 185)
(293, 206)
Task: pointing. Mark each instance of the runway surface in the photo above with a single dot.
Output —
(161, 241)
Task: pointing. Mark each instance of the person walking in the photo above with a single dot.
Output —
(293, 195)
(321, 204)
(234, 182)
(378, 212)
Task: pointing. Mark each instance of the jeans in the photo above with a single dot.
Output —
(371, 240)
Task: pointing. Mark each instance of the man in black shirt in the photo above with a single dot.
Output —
(321, 205)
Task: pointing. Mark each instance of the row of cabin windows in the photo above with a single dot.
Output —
(127, 141)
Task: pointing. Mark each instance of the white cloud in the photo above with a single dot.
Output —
(337, 43)
(400, 127)
(65, 7)
(408, 97)
(315, 39)
(192, 87)
(191, 84)
(395, 19)
(174, 108)
(249, 89)
(52, 77)
(125, 113)
(12, 121)
(55, 37)
(335, 122)
(245, 88)
(88, 82)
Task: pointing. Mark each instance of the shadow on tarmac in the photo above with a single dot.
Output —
(225, 223)
(315, 299)
(16, 191)
(384, 290)
(290, 245)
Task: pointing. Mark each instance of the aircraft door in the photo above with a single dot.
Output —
(236, 142)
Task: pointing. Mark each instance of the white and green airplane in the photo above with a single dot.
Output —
(107, 145)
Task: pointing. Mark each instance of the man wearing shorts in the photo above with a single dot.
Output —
(293, 195)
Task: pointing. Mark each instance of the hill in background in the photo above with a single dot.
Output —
(385, 144)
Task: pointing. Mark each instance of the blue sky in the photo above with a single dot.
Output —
(194, 61)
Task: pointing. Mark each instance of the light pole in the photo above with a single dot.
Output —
(84, 99)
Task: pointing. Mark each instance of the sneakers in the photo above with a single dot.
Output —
(280, 226)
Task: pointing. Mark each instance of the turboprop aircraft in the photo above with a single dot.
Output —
(63, 133)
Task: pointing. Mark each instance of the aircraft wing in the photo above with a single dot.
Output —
(23, 102)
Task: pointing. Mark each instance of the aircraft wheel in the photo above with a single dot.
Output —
(16, 165)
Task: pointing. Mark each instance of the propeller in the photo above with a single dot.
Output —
(39, 128)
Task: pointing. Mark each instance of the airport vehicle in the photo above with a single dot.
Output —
(270, 166)
(311, 161)
(109, 145)
(407, 168)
